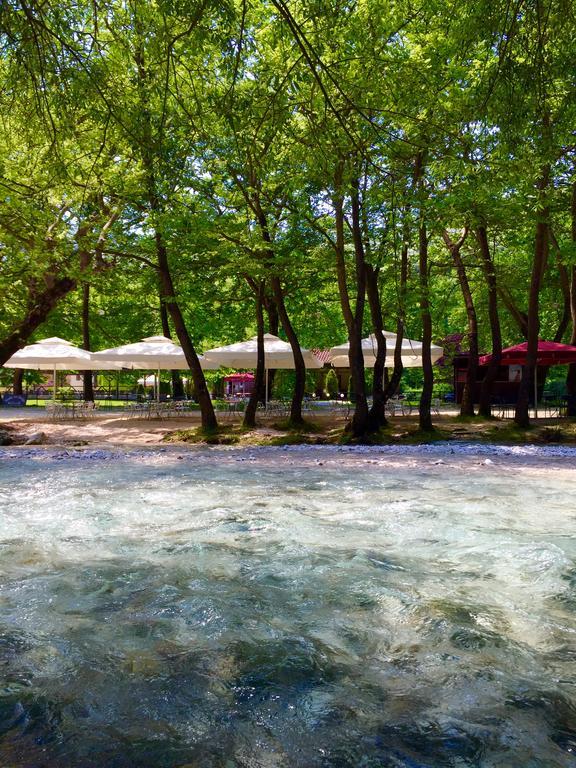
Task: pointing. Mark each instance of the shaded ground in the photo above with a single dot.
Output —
(323, 429)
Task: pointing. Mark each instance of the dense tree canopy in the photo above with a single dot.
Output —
(346, 166)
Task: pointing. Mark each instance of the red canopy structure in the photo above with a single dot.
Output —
(549, 353)
(239, 377)
(239, 384)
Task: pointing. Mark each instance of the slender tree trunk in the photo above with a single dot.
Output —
(541, 239)
(394, 381)
(571, 377)
(376, 416)
(541, 244)
(250, 413)
(467, 405)
(360, 425)
(296, 418)
(564, 277)
(168, 293)
(177, 383)
(427, 371)
(273, 328)
(17, 380)
(169, 299)
(485, 408)
(520, 317)
(87, 376)
(299, 364)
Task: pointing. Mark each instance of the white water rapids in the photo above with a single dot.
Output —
(215, 613)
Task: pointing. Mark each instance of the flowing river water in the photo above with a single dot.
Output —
(214, 613)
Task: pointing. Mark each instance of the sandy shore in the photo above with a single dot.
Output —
(122, 430)
(106, 429)
(114, 437)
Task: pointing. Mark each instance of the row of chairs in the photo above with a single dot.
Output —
(75, 409)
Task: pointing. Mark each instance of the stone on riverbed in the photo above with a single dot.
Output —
(36, 438)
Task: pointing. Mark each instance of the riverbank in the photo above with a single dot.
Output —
(325, 429)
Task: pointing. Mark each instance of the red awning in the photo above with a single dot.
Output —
(549, 353)
(239, 377)
(323, 355)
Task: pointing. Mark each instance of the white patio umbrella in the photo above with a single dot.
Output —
(244, 354)
(411, 352)
(152, 353)
(55, 354)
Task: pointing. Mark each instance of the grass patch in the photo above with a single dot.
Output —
(307, 428)
(398, 431)
(509, 432)
(220, 436)
(476, 419)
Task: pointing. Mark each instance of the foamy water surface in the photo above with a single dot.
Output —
(220, 614)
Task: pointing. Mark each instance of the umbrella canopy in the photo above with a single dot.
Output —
(147, 381)
(548, 353)
(55, 354)
(244, 354)
(411, 352)
(152, 352)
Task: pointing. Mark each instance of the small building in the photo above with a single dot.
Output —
(505, 387)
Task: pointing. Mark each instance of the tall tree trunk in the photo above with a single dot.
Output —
(255, 396)
(425, 404)
(177, 383)
(17, 380)
(208, 416)
(376, 416)
(467, 405)
(564, 277)
(571, 377)
(359, 425)
(155, 203)
(296, 418)
(87, 376)
(427, 371)
(541, 244)
(394, 381)
(273, 328)
(485, 408)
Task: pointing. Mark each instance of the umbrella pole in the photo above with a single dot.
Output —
(54, 387)
(535, 392)
(158, 387)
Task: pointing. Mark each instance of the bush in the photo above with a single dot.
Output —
(332, 385)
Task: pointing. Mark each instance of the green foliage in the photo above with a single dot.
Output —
(240, 134)
(332, 385)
